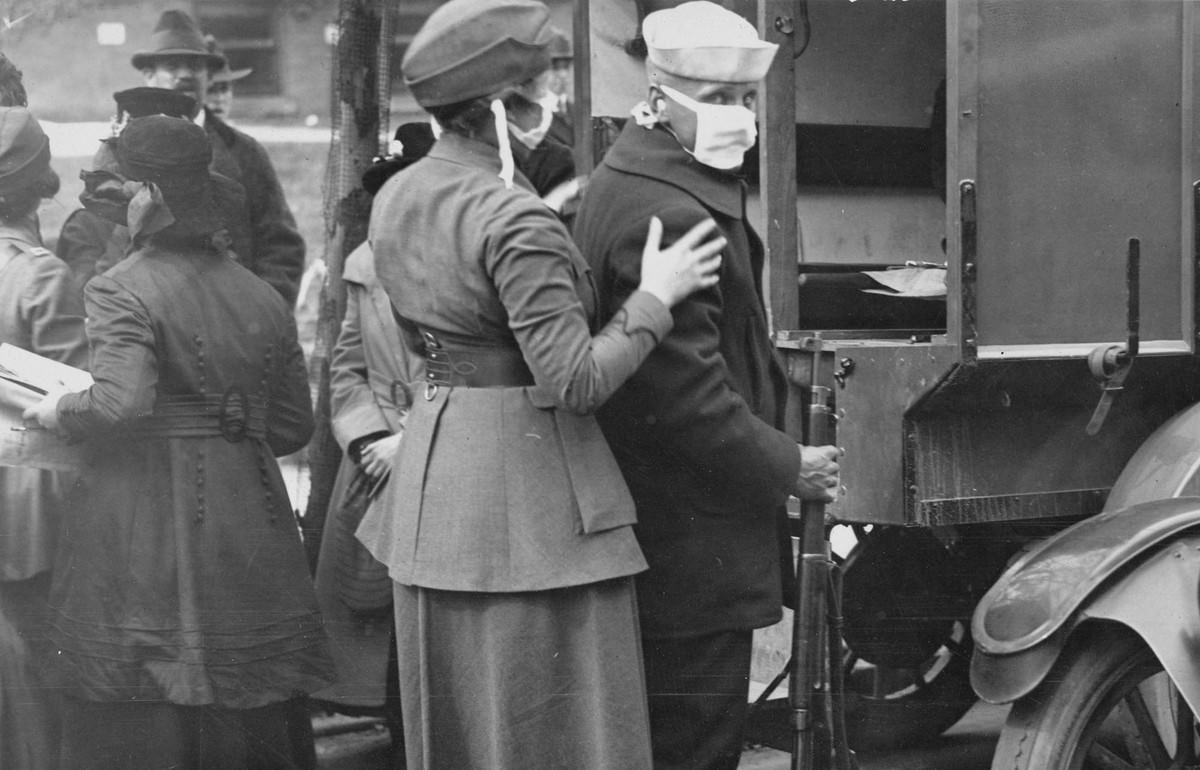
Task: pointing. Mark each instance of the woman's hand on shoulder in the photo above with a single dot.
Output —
(688, 265)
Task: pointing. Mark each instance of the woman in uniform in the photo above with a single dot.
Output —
(40, 312)
(506, 525)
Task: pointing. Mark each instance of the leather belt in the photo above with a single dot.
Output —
(233, 415)
(474, 366)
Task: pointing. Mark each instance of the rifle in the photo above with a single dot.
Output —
(816, 671)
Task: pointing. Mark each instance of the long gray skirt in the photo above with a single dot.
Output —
(525, 681)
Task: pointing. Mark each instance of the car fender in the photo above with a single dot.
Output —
(1165, 465)
(1024, 620)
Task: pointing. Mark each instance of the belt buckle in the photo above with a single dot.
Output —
(234, 416)
(431, 390)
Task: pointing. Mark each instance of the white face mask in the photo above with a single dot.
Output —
(723, 132)
(546, 102)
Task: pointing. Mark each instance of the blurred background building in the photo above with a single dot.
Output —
(75, 53)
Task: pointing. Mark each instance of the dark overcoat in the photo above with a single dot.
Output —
(276, 253)
(697, 430)
(180, 574)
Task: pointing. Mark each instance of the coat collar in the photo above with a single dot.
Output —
(360, 265)
(24, 230)
(655, 153)
(463, 151)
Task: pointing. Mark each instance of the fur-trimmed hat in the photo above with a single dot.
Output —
(147, 100)
(472, 48)
(700, 40)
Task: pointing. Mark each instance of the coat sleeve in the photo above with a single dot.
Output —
(684, 394)
(537, 269)
(289, 409)
(83, 241)
(123, 363)
(356, 413)
(278, 248)
(52, 309)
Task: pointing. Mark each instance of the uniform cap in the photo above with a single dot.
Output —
(700, 40)
(176, 34)
(472, 48)
(24, 149)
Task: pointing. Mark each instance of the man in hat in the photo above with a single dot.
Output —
(698, 430)
(180, 60)
(219, 101)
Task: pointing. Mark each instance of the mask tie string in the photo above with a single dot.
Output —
(507, 165)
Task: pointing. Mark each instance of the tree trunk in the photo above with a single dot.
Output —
(361, 101)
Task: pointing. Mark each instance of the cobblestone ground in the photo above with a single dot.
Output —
(344, 743)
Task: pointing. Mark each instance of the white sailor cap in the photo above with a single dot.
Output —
(701, 40)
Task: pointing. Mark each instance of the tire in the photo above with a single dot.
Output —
(1085, 714)
(917, 707)
(907, 642)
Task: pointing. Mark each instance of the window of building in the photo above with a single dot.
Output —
(246, 32)
(410, 15)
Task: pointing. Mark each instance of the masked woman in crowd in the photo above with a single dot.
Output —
(506, 525)
(39, 312)
(181, 605)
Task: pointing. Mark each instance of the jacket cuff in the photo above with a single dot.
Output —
(646, 312)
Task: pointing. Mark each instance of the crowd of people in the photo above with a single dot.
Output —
(561, 508)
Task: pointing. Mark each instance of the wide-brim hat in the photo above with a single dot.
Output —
(700, 40)
(24, 150)
(472, 48)
(176, 34)
(227, 75)
(174, 154)
(224, 74)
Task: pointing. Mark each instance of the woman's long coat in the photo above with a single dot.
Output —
(181, 575)
(509, 488)
(372, 375)
(40, 312)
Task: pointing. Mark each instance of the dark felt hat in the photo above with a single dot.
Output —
(148, 100)
(174, 154)
(472, 48)
(416, 139)
(561, 46)
(24, 149)
(223, 74)
(176, 34)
